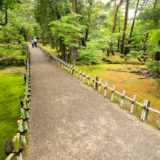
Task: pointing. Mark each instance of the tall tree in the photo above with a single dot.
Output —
(125, 28)
(4, 7)
(155, 3)
(133, 22)
(74, 50)
(115, 14)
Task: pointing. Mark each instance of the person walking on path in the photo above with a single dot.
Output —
(35, 42)
(32, 42)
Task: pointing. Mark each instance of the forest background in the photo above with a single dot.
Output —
(117, 40)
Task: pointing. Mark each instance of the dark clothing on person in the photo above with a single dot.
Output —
(32, 42)
(35, 42)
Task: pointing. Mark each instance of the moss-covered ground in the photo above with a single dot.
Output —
(11, 88)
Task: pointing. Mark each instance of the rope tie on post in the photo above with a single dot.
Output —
(93, 83)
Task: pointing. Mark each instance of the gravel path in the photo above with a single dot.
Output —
(70, 121)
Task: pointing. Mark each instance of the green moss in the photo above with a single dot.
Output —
(11, 88)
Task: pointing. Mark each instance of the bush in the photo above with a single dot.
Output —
(90, 53)
(11, 61)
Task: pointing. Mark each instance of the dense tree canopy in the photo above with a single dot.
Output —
(82, 30)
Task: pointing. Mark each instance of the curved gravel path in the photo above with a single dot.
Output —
(69, 121)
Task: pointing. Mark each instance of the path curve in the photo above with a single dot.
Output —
(70, 121)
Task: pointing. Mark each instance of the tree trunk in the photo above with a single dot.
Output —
(125, 28)
(115, 22)
(43, 37)
(62, 49)
(43, 34)
(73, 6)
(84, 40)
(155, 4)
(132, 27)
(118, 47)
(74, 50)
(50, 38)
(86, 36)
(115, 16)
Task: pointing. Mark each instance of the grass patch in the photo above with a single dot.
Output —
(11, 88)
(143, 88)
(116, 59)
(49, 49)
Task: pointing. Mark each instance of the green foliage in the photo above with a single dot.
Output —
(154, 36)
(67, 29)
(12, 87)
(11, 57)
(10, 34)
(154, 67)
(150, 17)
(90, 53)
(138, 47)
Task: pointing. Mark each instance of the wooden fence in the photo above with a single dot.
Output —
(15, 148)
(98, 85)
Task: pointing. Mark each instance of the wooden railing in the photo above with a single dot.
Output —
(97, 85)
(19, 140)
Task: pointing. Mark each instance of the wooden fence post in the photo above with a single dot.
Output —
(93, 83)
(145, 110)
(80, 74)
(112, 93)
(76, 72)
(20, 128)
(105, 89)
(60, 63)
(84, 75)
(96, 83)
(24, 119)
(133, 102)
(26, 110)
(88, 78)
(122, 98)
(73, 69)
(16, 145)
(25, 78)
(99, 85)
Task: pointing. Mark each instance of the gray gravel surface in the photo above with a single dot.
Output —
(70, 121)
